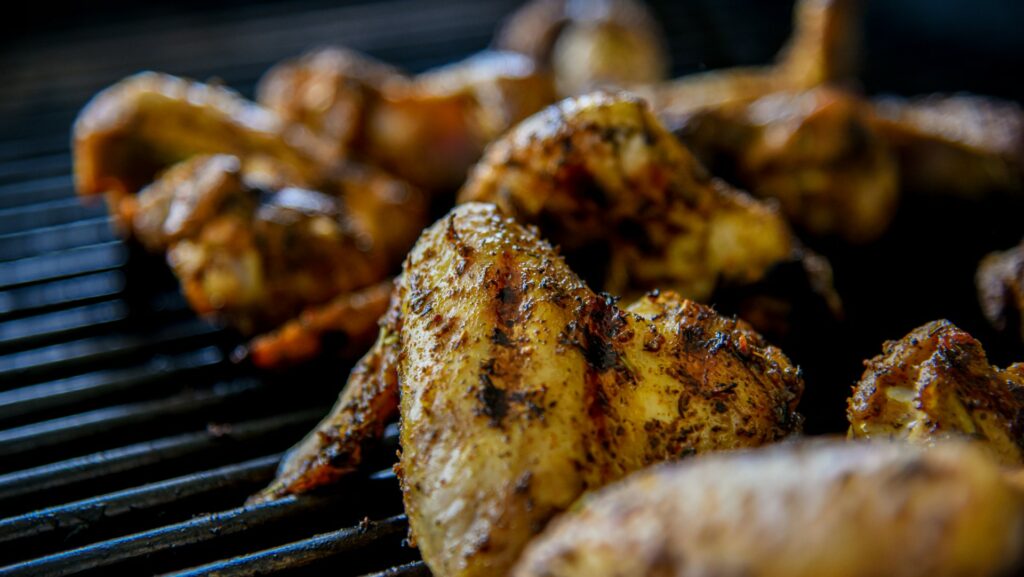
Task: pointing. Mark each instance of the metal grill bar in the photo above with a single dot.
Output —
(305, 552)
(54, 212)
(109, 508)
(63, 264)
(117, 462)
(91, 386)
(76, 428)
(78, 290)
(190, 532)
(47, 328)
(32, 146)
(89, 231)
(35, 191)
(19, 368)
(35, 167)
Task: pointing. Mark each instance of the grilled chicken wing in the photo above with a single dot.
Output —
(936, 382)
(521, 389)
(255, 251)
(817, 152)
(1000, 282)
(133, 130)
(428, 129)
(808, 509)
(966, 145)
(270, 225)
(822, 50)
(601, 176)
(589, 45)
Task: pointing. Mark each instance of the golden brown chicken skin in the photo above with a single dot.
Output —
(428, 129)
(1000, 283)
(521, 389)
(589, 45)
(960, 144)
(130, 132)
(810, 509)
(817, 152)
(936, 383)
(254, 251)
(599, 174)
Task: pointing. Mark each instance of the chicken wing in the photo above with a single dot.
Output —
(603, 179)
(589, 45)
(428, 129)
(252, 250)
(130, 132)
(808, 509)
(822, 50)
(965, 145)
(936, 382)
(816, 151)
(521, 389)
(1000, 282)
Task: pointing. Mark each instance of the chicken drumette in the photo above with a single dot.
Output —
(935, 383)
(429, 128)
(589, 45)
(258, 222)
(809, 509)
(600, 176)
(834, 159)
(1000, 283)
(521, 389)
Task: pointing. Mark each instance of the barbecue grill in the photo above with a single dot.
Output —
(129, 438)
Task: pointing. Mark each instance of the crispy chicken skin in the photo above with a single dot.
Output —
(254, 251)
(816, 151)
(935, 383)
(133, 130)
(521, 389)
(589, 45)
(1000, 282)
(810, 509)
(428, 129)
(600, 172)
(959, 144)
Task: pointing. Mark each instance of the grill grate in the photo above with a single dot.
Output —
(127, 437)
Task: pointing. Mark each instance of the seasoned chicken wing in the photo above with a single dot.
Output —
(1000, 282)
(521, 389)
(251, 249)
(428, 129)
(130, 132)
(271, 225)
(966, 145)
(589, 45)
(822, 50)
(603, 179)
(935, 383)
(816, 151)
(811, 509)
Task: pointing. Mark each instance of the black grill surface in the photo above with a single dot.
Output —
(128, 439)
